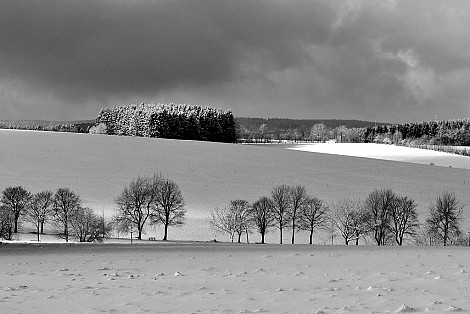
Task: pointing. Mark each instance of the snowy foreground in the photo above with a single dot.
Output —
(228, 278)
(388, 152)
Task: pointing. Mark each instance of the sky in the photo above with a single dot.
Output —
(376, 60)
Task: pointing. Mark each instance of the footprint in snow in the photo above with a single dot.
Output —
(207, 269)
(455, 308)
(177, 274)
(405, 309)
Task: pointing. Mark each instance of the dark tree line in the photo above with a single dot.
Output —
(169, 121)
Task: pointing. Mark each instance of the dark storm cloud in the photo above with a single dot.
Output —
(385, 60)
(147, 46)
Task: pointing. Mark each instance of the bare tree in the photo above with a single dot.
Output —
(15, 199)
(423, 236)
(297, 198)
(7, 221)
(39, 209)
(312, 215)
(241, 210)
(404, 218)
(262, 215)
(281, 200)
(360, 221)
(379, 205)
(169, 204)
(120, 225)
(136, 203)
(86, 226)
(66, 204)
(445, 217)
(222, 220)
(342, 214)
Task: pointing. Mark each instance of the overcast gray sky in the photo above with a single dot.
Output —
(390, 61)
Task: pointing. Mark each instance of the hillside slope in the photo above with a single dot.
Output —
(210, 174)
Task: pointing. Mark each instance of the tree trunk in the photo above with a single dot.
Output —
(42, 226)
(166, 233)
(293, 232)
(239, 237)
(445, 236)
(311, 237)
(38, 231)
(16, 223)
(280, 231)
(247, 240)
(66, 233)
(262, 237)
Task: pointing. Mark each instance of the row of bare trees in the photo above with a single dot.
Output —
(155, 200)
(150, 200)
(384, 217)
(288, 206)
(63, 209)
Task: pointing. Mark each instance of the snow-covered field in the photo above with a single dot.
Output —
(388, 152)
(223, 278)
(207, 277)
(97, 167)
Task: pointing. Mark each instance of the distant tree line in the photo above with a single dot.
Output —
(40, 125)
(209, 124)
(383, 217)
(315, 130)
(443, 132)
(437, 135)
(173, 121)
(155, 200)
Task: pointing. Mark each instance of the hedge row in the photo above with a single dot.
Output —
(176, 121)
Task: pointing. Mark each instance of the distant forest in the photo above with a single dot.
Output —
(80, 126)
(442, 133)
(175, 121)
(278, 129)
